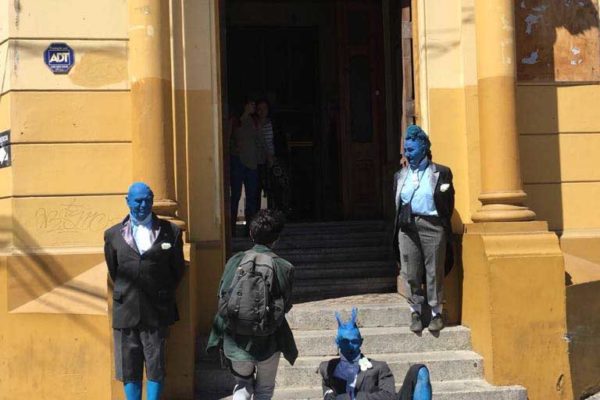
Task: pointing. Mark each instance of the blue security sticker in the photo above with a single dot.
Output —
(59, 57)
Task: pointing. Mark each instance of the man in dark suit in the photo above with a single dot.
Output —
(144, 255)
(424, 198)
(353, 376)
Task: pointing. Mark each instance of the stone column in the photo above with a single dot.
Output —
(151, 101)
(502, 193)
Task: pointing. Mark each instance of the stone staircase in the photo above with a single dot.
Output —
(456, 371)
(334, 259)
(346, 264)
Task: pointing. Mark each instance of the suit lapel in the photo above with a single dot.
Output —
(127, 235)
(434, 177)
(359, 380)
(401, 179)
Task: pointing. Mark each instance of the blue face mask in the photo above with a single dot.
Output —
(139, 200)
(348, 337)
(415, 151)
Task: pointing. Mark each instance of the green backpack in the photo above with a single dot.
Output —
(253, 305)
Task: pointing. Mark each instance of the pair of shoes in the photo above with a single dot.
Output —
(436, 324)
(415, 324)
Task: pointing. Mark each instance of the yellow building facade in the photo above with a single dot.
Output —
(144, 101)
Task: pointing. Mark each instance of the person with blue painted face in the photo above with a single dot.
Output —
(353, 376)
(144, 255)
(424, 198)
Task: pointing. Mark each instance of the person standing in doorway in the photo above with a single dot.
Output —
(144, 255)
(246, 146)
(267, 154)
(276, 175)
(424, 197)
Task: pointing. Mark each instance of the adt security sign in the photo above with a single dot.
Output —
(59, 57)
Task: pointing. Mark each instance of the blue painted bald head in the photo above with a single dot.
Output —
(416, 145)
(348, 337)
(139, 200)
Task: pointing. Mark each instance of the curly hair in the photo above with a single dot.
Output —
(415, 132)
(266, 226)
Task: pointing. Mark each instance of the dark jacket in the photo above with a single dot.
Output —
(410, 382)
(144, 285)
(444, 204)
(376, 383)
(256, 348)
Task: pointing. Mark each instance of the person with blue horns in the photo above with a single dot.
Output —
(144, 255)
(353, 376)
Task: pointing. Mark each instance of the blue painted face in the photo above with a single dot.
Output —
(348, 337)
(139, 200)
(415, 150)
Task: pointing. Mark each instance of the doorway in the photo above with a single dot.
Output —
(330, 73)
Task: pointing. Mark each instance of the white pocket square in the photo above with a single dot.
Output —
(165, 246)
(444, 187)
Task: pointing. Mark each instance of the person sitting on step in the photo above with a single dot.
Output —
(353, 376)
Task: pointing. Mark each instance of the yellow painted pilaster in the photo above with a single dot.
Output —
(502, 194)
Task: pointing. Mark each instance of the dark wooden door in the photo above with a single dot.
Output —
(281, 65)
(362, 99)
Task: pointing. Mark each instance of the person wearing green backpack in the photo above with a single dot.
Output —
(250, 325)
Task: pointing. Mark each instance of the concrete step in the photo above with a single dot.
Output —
(392, 311)
(443, 365)
(317, 289)
(474, 389)
(386, 340)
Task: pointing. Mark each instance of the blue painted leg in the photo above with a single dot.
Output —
(423, 386)
(153, 390)
(133, 390)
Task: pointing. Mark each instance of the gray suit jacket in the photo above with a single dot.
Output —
(375, 383)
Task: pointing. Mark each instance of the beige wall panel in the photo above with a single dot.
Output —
(6, 179)
(70, 116)
(567, 205)
(443, 45)
(448, 144)
(99, 65)
(5, 106)
(48, 357)
(48, 169)
(556, 158)
(4, 25)
(6, 224)
(43, 222)
(68, 19)
(551, 109)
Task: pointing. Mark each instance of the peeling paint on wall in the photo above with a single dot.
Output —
(530, 21)
(532, 59)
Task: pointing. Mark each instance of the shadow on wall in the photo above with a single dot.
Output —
(583, 322)
(70, 291)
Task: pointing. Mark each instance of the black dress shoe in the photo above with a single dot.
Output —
(436, 324)
(416, 325)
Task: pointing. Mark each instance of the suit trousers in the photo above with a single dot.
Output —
(422, 258)
(263, 385)
(135, 347)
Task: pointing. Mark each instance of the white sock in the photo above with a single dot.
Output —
(435, 310)
(415, 308)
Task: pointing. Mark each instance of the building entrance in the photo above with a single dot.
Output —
(330, 71)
